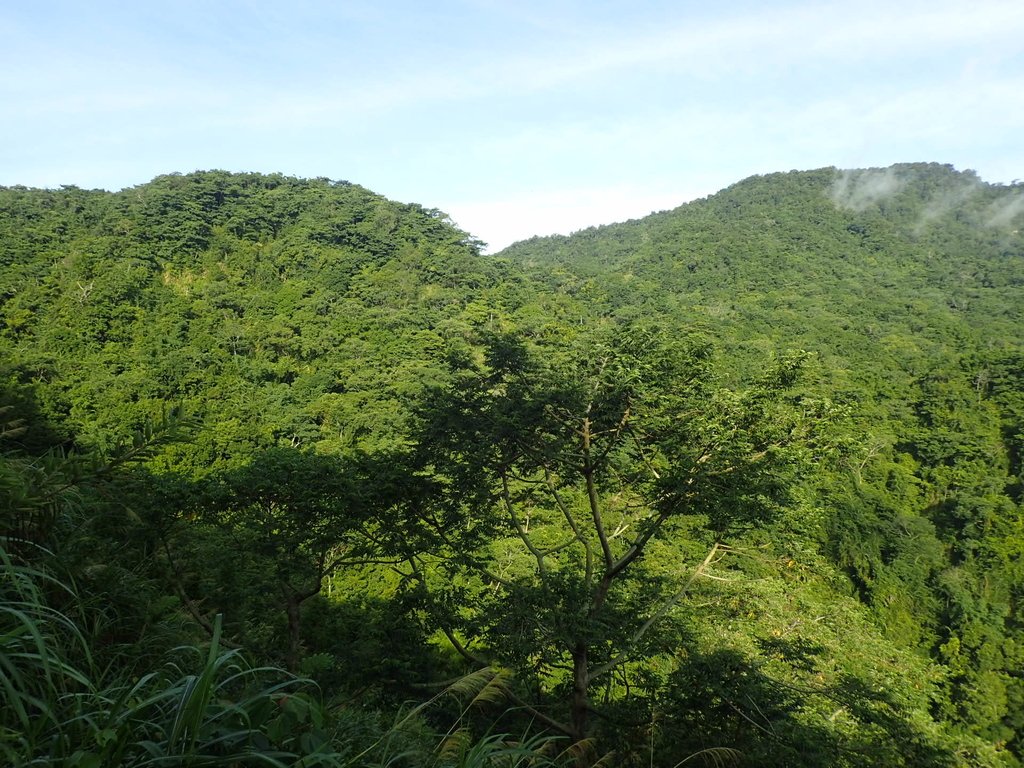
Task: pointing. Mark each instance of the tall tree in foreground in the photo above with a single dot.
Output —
(558, 471)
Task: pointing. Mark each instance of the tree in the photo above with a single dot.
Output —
(556, 472)
(292, 519)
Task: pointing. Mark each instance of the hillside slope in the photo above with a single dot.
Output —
(306, 326)
(283, 310)
(908, 284)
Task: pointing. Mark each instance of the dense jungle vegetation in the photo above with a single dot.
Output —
(292, 474)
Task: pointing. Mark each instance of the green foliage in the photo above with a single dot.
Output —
(557, 468)
(364, 386)
(200, 709)
(277, 309)
(68, 696)
(905, 282)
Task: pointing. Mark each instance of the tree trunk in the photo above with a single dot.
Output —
(292, 607)
(580, 683)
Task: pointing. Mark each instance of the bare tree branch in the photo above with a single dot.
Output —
(620, 657)
(595, 506)
(520, 531)
(588, 550)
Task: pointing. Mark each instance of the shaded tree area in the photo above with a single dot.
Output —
(557, 469)
(107, 660)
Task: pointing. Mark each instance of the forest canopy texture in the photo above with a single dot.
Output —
(292, 474)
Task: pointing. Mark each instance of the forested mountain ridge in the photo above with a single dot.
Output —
(223, 277)
(378, 412)
(847, 251)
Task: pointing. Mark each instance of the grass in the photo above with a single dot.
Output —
(201, 708)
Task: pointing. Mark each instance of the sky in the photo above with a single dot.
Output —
(518, 118)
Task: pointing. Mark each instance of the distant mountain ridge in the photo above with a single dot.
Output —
(864, 246)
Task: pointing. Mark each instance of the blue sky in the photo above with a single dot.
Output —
(516, 118)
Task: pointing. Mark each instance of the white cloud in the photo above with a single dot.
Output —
(1005, 210)
(650, 106)
(948, 200)
(760, 41)
(859, 190)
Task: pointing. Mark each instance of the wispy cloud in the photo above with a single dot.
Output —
(947, 200)
(770, 38)
(1006, 210)
(859, 190)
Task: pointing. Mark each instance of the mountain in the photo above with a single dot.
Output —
(829, 256)
(364, 390)
(219, 292)
(907, 283)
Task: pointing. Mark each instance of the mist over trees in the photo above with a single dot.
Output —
(291, 472)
